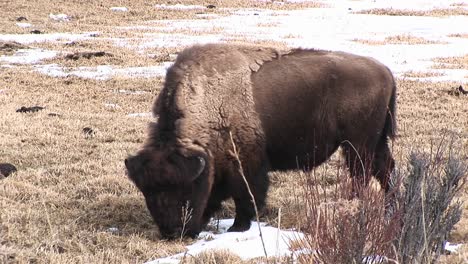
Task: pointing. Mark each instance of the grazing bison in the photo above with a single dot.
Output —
(284, 110)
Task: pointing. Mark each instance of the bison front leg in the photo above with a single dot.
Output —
(245, 210)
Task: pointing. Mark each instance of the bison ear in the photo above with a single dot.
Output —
(192, 166)
(134, 165)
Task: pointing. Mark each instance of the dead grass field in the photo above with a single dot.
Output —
(70, 201)
(441, 12)
(451, 62)
(417, 74)
(399, 39)
(458, 35)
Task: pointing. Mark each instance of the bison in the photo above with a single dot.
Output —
(283, 110)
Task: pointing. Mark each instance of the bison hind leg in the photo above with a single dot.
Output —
(366, 161)
(358, 162)
(383, 164)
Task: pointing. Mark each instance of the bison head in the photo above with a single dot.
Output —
(175, 186)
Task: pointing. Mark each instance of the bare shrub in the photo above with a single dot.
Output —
(429, 213)
(343, 229)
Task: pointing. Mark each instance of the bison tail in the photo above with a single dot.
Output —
(390, 127)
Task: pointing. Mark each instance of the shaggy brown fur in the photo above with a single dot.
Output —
(284, 110)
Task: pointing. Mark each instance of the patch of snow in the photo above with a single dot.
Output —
(207, 15)
(119, 9)
(103, 72)
(179, 7)
(113, 229)
(246, 244)
(178, 39)
(23, 25)
(446, 75)
(140, 115)
(59, 17)
(453, 248)
(132, 92)
(28, 56)
(109, 105)
(31, 38)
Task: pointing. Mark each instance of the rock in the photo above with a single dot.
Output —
(36, 31)
(210, 6)
(11, 46)
(88, 132)
(21, 18)
(457, 91)
(6, 169)
(25, 109)
(86, 55)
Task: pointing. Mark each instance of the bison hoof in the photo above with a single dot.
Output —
(239, 227)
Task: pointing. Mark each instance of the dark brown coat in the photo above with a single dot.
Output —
(283, 109)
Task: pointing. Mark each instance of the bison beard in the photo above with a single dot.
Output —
(283, 109)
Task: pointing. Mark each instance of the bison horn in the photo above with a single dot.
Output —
(201, 167)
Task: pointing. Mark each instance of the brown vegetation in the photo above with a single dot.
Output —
(399, 39)
(460, 62)
(419, 74)
(407, 12)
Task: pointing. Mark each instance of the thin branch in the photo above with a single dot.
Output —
(241, 171)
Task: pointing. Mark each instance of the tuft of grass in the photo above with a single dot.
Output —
(419, 74)
(458, 35)
(460, 62)
(399, 39)
(407, 12)
(339, 229)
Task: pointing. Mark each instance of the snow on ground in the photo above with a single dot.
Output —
(119, 9)
(23, 25)
(59, 17)
(179, 6)
(28, 56)
(104, 72)
(248, 245)
(31, 38)
(245, 244)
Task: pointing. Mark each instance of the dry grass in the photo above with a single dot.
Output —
(458, 35)
(451, 62)
(10, 47)
(461, 4)
(114, 54)
(419, 74)
(458, 11)
(399, 39)
(71, 188)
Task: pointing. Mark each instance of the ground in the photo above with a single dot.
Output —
(70, 200)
